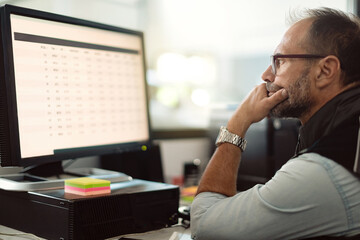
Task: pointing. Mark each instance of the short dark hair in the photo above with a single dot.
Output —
(334, 32)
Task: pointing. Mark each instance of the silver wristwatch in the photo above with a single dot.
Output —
(227, 137)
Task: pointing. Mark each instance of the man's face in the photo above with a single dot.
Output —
(294, 75)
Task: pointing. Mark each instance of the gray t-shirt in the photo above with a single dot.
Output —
(309, 196)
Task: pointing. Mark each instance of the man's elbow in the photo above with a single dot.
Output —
(200, 209)
(196, 213)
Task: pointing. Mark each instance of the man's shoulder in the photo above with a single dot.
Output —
(309, 169)
(310, 158)
(309, 178)
(313, 165)
(307, 160)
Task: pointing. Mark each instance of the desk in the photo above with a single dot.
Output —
(176, 232)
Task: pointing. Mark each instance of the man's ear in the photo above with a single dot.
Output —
(328, 71)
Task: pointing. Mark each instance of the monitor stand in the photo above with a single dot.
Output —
(52, 176)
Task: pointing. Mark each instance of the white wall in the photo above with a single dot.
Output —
(175, 153)
(122, 13)
(226, 27)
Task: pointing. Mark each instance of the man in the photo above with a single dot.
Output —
(314, 76)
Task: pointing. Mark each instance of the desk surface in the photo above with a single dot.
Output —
(176, 232)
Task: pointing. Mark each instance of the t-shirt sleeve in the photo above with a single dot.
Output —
(299, 201)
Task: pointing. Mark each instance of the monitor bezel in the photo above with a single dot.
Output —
(9, 138)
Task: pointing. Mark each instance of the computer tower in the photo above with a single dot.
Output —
(255, 166)
(133, 206)
(271, 143)
(285, 138)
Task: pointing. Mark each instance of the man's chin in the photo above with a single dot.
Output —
(276, 114)
(282, 110)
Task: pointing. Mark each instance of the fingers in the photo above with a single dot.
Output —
(277, 98)
(255, 107)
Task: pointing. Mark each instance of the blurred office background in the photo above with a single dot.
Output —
(202, 56)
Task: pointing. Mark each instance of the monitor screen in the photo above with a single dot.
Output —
(71, 88)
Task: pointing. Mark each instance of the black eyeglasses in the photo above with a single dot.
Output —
(275, 62)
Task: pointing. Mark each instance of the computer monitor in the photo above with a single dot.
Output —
(69, 88)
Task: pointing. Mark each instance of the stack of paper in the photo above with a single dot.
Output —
(87, 186)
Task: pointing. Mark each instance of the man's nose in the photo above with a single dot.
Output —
(268, 76)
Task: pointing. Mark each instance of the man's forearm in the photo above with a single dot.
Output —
(221, 172)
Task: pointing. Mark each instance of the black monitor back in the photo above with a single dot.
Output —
(140, 164)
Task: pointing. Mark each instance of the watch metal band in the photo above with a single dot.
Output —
(228, 137)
